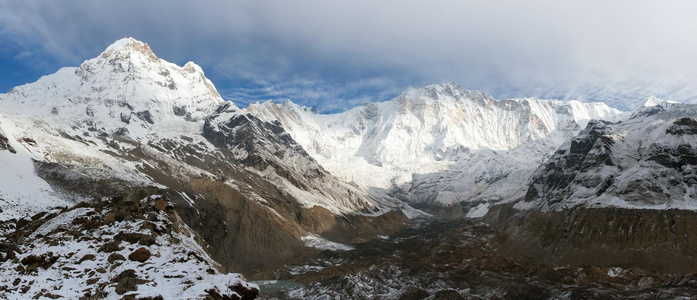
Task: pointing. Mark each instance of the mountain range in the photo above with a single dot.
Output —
(440, 148)
(133, 146)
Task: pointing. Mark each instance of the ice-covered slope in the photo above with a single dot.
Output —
(441, 143)
(22, 191)
(647, 161)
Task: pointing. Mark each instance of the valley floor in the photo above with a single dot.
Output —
(461, 260)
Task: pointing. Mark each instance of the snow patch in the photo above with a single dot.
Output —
(478, 211)
(318, 242)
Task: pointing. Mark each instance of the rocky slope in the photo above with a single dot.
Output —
(437, 146)
(266, 147)
(647, 161)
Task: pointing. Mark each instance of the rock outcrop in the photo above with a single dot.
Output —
(648, 161)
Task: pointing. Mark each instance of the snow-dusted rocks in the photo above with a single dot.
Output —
(110, 249)
(647, 161)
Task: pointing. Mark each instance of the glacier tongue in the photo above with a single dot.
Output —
(440, 144)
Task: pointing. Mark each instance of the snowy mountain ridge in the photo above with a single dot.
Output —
(441, 143)
(127, 83)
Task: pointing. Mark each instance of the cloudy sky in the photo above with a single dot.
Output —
(339, 54)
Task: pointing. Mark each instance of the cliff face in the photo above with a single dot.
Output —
(647, 161)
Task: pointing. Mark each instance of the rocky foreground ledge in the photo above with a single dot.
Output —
(121, 247)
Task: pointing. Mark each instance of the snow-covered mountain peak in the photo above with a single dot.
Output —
(192, 67)
(287, 112)
(126, 86)
(127, 46)
(652, 101)
(133, 60)
(289, 103)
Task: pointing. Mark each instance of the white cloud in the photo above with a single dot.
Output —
(620, 50)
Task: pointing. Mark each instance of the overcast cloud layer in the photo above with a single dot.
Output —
(336, 55)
